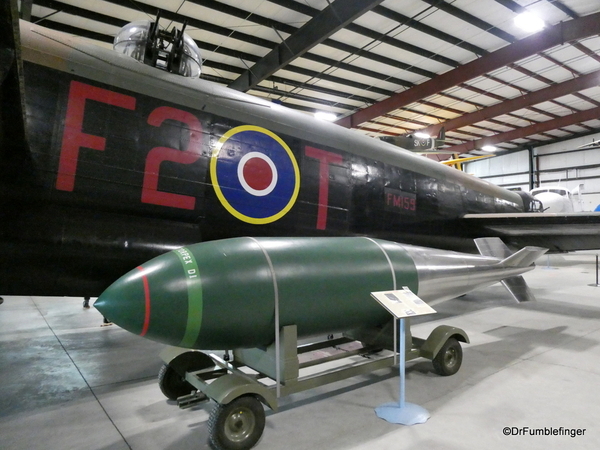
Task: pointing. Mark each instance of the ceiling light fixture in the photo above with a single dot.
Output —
(421, 135)
(529, 22)
(488, 148)
(329, 117)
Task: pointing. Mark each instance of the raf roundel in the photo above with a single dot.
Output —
(255, 174)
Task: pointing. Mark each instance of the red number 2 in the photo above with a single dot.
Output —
(150, 192)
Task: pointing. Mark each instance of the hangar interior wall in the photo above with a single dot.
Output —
(562, 164)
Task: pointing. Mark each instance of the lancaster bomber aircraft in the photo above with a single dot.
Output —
(106, 162)
(262, 225)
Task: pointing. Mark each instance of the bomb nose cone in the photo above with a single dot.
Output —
(124, 302)
(160, 300)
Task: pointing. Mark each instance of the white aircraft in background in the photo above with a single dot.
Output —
(557, 199)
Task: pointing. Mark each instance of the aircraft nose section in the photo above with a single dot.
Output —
(125, 303)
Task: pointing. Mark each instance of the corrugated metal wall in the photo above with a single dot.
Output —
(562, 164)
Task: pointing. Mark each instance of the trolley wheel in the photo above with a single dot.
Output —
(449, 358)
(238, 425)
(171, 377)
(171, 384)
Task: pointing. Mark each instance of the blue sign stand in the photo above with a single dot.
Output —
(402, 412)
(402, 303)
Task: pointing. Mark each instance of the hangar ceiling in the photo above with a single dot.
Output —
(387, 68)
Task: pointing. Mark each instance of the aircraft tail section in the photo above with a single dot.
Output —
(516, 285)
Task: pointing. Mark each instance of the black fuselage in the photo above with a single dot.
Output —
(123, 162)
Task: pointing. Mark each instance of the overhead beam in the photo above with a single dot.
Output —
(536, 43)
(334, 17)
(448, 8)
(432, 31)
(512, 5)
(571, 119)
(563, 8)
(557, 90)
(375, 35)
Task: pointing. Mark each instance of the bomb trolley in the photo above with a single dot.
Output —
(258, 377)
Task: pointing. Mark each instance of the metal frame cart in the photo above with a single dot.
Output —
(257, 377)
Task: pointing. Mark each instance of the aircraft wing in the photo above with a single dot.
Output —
(554, 231)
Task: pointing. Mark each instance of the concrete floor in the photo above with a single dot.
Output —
(68, 383)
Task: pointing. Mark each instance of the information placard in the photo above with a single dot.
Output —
(402, 303)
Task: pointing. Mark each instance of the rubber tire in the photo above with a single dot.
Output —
(171, 384)
(230, 430)
(449, 358)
